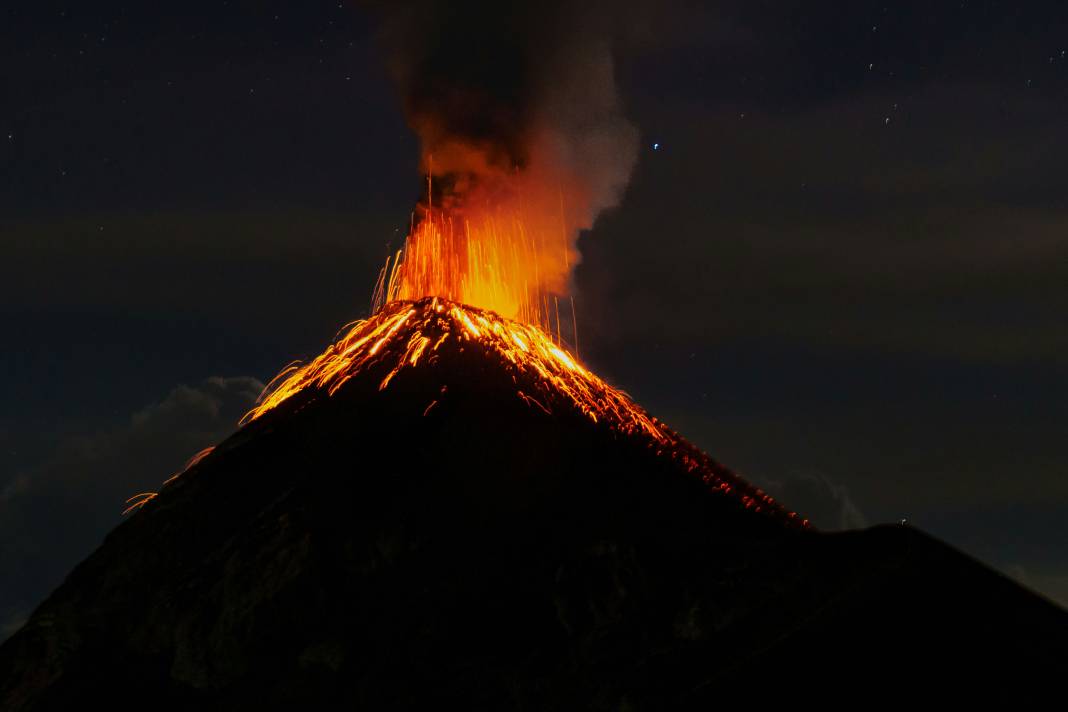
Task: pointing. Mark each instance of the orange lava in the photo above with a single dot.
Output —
(410, 334)
(142, 498)
(404, 334)
(508, 249)
(487, 270)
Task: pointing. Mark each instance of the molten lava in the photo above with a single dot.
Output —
(407, 334)
(484, 273)
(504, 245)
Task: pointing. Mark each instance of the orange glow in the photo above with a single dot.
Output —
(141, 499)
(138, 500)
(404, 334)
(507, 249)
(486, 270)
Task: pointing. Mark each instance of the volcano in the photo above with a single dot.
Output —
(447, 510)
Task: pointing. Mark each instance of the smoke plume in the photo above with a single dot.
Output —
(513, 98)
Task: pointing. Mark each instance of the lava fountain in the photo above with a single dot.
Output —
(523, 144)
(507, 254)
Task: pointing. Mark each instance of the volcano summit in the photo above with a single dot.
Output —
(446, 509)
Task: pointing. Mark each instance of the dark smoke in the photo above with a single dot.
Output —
(468, 73)
(505, 88)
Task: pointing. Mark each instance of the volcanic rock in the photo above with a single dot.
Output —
(441, 542)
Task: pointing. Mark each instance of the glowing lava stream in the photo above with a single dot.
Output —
(503, 259)
(409, 334)
(404, 334)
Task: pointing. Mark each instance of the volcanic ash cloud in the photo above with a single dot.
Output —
(518, 115)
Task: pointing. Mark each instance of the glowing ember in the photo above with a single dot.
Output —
(408, 335)
(142, 498)
(485, 274)
(490, 249)
(405, 334)
(138, 500)
(509, 252)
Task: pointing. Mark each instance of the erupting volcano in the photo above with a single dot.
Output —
(433, 334)
(446, 509)
(404, 334)
(504, 258)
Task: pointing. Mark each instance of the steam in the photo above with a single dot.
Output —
(513, 97)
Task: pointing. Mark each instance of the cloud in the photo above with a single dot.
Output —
(1052, 585)
(825, 504)
(54, 514)
(826, 226)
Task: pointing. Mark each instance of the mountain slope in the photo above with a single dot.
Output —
(361, 549)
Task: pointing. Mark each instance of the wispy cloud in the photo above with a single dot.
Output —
(53, 515)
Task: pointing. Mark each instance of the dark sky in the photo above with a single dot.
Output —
(844, 272)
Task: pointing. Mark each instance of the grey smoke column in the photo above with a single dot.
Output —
(493, 89)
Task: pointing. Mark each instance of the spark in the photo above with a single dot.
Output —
(484, 274)
(401, 335)
(506, 252)
(193, 462)
(408, 335)
(142, 498)
(139, 500)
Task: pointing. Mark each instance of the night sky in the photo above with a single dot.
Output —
(844, 271)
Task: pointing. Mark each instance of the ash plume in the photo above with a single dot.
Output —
(513, 97)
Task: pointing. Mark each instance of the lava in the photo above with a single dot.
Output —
(515, 170)
(413, 334)
(504, 247)
(142, 498)
(417, 334)
(405, 334)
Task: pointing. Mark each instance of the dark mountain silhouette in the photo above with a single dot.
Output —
(365, 551)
